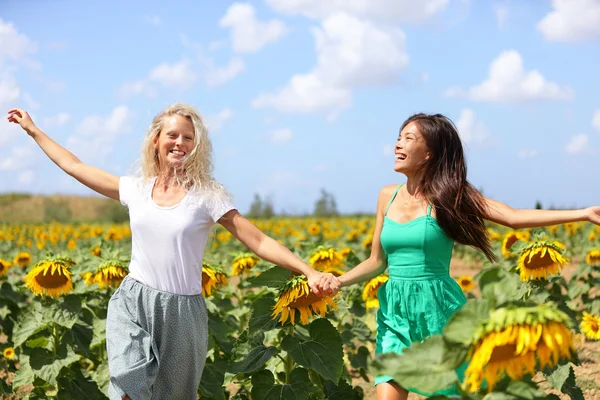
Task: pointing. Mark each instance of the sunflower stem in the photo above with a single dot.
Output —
(55, 339)
(289, 363)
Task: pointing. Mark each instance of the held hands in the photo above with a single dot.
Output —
(593, 214)
(323, 284)
(21, 117)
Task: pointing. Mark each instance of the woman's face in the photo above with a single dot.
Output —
(175, 141)
(411, 151)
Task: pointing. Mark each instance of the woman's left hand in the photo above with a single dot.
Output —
(593, 214)
(323, 283)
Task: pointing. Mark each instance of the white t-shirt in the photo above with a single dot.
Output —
(168, 242)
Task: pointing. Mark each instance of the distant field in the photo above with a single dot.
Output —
(25, 208)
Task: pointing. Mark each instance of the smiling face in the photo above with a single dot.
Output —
(174, 142)
(411, 151)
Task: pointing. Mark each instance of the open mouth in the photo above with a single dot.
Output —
(178, 153)
(400, 156)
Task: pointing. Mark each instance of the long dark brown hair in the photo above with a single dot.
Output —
(460, 208)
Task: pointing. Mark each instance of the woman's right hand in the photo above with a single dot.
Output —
(21, 117)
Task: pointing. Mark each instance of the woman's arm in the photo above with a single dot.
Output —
(92, 177)
(516, 219)
(377, 261)
(274, 252)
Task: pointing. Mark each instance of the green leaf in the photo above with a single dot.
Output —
(40, 341)
(101, 376)
(65, 313)
(563, 378)
(28, 324)
(463, 324)
(260, 319)
(525, 390)
(81, 337)
(213, 376)
(341, 391)
(262, 382)
(499, 396)
(299, 388)
(99, 333)
(322, 352)
(419, 367)
(8, 294)
(360, 359)
(78, 386)
(47, 367)
(503, 290)
(256, 358)
(24, 375)
(489, 275)
(274, 277)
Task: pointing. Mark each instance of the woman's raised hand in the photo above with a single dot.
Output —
(21, 117)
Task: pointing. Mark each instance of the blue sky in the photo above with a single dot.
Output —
(301, 95)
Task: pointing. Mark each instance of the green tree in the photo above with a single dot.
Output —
(325, 206)
(256, 207)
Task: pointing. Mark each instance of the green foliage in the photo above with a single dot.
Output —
(326, 205)
(56, 210)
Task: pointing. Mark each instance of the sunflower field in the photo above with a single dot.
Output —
(523, 333)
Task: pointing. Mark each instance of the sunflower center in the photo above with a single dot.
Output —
(51, 281)
(539, 262)
(503, 353)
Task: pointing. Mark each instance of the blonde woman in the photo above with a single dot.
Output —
(156, 328)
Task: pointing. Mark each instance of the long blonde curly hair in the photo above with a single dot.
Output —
(195, 172)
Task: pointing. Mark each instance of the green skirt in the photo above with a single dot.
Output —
(413, 309)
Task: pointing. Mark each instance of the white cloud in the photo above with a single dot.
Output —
(26, 177)
(141, 87)
(15, 46)
(350, 53)
(391, 11)
(178, 74)
(388, 149)
(501, 12)
(248, 35)
(219, 76)
(473, 131)
(579, 144)
(281, 136)
(527, 153)
(572, 21)
(596, 120)
(95, 135)
(153, 20)
(57, 120)
(215, 122)
(19, 158)
(9, 91)
(509, 82)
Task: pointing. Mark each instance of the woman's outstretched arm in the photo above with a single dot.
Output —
(527, 218)
(377, 261)
(96, 179)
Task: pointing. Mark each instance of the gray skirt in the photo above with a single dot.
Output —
(156, 343)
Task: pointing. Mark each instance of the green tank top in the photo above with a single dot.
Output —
(417, 249)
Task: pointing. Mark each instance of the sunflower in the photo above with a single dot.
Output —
(9, 353)
(592, 237)
(541, 259)
(22, 259)
(327, 259)
(4, 266)
(314, 229)
(243, 263)
(493, 235)
(297, 296)
(368, 242)
(369, 294)
(96, 251)
(466, 283)
(593, 257)
(212, 278)
(72, 244)
(590, 325)
(50, 277)
(109, 273)
(511, 238)
(345, 252)
(513, 339)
